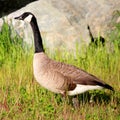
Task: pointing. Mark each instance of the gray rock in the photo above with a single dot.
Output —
(64, 23)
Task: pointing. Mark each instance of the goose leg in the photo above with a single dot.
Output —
(75, 102)
(72, 100)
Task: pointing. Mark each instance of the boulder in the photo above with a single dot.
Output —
(63, 24)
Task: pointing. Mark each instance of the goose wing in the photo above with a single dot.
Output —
(78, 76)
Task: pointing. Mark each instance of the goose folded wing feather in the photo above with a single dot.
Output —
(62, 82)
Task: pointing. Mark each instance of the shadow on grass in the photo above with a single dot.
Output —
(99, 97)
(96, 97)
(93, 98)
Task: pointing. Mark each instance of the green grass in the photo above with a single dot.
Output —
(22, 98)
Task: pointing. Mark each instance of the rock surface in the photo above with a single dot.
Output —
(63, 23)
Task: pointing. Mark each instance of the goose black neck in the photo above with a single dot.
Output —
(37, 36)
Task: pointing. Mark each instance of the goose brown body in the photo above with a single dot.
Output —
(49, 76)
(56, 76)
(60, 77)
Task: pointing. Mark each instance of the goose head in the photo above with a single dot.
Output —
(27, 16)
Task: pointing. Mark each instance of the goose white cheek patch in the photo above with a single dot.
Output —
(28, 18)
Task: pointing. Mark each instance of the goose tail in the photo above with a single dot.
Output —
(109, 87)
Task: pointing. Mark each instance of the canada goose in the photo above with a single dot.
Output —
(95, 40)
(56, 76)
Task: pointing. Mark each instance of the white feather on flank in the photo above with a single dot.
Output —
(28, 18)
(83, 88)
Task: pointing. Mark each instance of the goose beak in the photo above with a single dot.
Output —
(19, 18)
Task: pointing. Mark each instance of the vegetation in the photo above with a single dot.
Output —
(22, 98)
